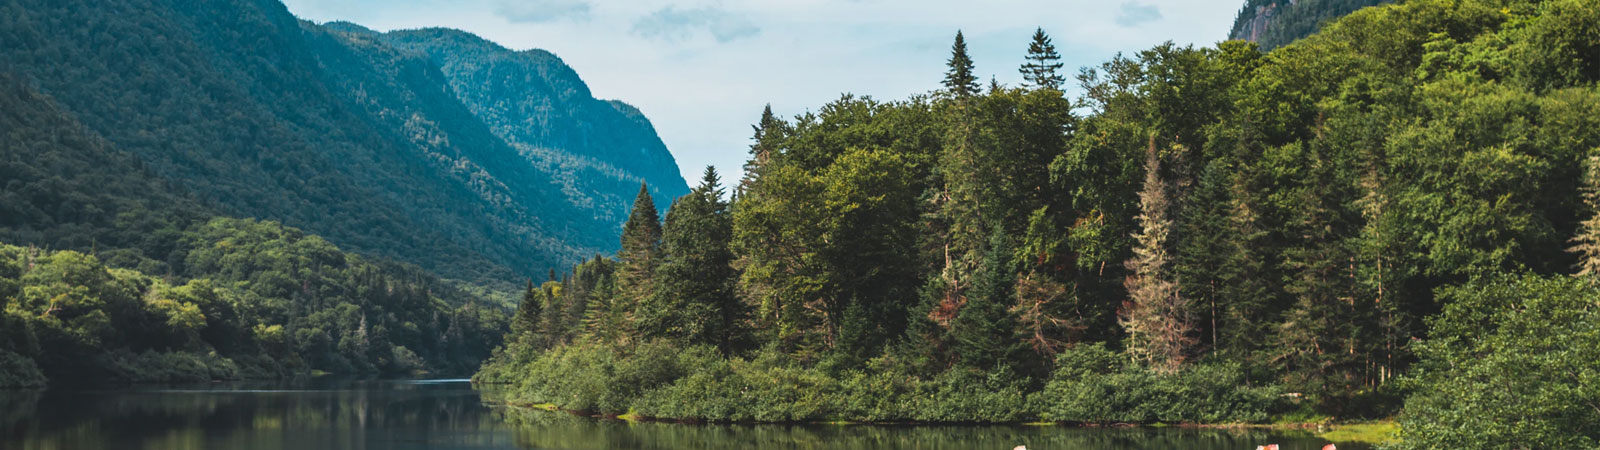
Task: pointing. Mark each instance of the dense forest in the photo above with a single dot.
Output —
(1396, 216)
(167, 290)
(1274, 23)
(383, 144)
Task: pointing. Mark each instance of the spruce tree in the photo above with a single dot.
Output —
(1203, 251)
(959, 80)
(1041, 70)
(641, 242)
(984, 332)
(1587, 243)
(693, 300)
(527, 320)
(552, 330)
(1320, 334)
(1156, 317)
(769, 134)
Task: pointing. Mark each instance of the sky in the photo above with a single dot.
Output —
(701, 70)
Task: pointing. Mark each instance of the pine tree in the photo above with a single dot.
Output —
(693, 300)
(960, 81)
(1317, 341)
(641, 243)
(769, 135)
(984, 332)
(552, 331)
(1587, 243)
(1040, 72)
(527, 320)
(1203, 251)
(1156, 317)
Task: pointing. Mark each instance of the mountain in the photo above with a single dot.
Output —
(1274, 23)
(166, 289)
(385, 146)
(599, 150)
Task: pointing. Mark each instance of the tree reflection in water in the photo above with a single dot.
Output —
(366, 414)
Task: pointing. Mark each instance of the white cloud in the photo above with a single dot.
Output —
(1135, 13)
(673, 24)
(542, 11)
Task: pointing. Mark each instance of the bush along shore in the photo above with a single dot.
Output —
(1090, 385)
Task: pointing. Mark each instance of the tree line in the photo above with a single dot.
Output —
(1314, 229)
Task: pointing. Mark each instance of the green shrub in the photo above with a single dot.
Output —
(1094, 385)
(17, 371)
(1511, 363)
(151, 366)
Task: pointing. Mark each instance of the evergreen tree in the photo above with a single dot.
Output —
(693, 300)
(959, 80)
(552, 330)
(1587, 243)
(641, 242)
(1319, 335)
(769, 134)
(1156, 317)
(527, 320)
(1203, 250)
(984, 332)
(1040, 72)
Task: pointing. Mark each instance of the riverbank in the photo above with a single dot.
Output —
(1367, 432)
(1089, 385)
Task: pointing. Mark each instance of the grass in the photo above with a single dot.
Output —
(1372, 433)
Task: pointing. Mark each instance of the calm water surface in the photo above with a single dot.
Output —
(450, 414)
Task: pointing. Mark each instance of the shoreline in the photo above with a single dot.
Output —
(1367, 432)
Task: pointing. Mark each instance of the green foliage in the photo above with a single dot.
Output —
(17, 371)
(698, 383)
(959, 80)
(1040, 72)
(81, 321)
(1509, 363)
(1094, 385)
(1293, 218)
(692, 301)
(397, 145)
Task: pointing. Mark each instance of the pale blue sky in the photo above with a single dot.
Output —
(702, 69)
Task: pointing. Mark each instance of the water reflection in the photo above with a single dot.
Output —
(449, 414)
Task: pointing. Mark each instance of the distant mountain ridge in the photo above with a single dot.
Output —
(447, 153)
(1275, 23)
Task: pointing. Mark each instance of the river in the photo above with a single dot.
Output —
(325, 414)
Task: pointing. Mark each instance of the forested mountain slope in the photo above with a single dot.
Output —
(165, 290)
(1274, 23)
(262, 115)
(598, 150)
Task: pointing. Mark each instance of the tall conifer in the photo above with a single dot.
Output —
(641, 242)
(1156, 317)
(959, 80)
(1041, 70)
(693, 300)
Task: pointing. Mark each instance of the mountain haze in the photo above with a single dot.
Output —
(432, 147)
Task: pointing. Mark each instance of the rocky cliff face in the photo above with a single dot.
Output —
(1274, 23)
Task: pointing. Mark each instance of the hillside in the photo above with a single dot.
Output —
(598, 150)
(1274, 23)
(166, 290)
(259, 114)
